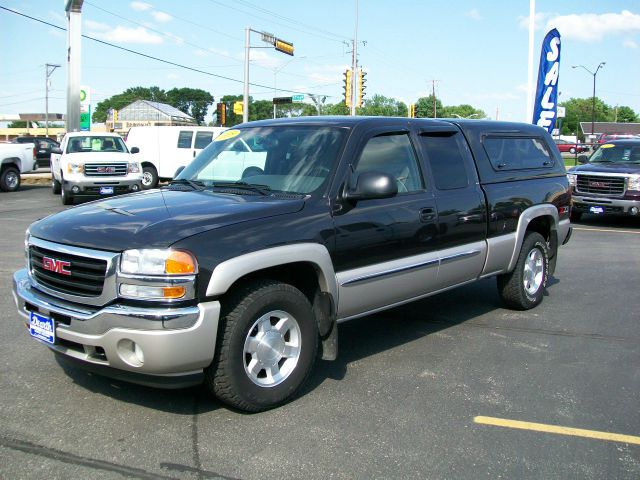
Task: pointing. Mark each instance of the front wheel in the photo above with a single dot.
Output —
(572, 150)
(523, 288)
(9, 179)
(66, 197)
(149, 177)
(266, 348)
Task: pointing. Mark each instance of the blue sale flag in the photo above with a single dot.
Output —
(546, 101)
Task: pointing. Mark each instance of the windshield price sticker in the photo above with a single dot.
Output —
(607, 145)
(227, 135)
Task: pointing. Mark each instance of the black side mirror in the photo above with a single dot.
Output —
(56, 150)
(178, 171)
(372, 185)
(583, 159)
(135, 150)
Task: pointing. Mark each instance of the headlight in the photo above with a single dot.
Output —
(134, 168)
(573, 179)
(157, 275)
(75, 167)
(158, 262)
(634, 183)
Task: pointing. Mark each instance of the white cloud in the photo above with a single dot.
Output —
(161, 17)
(141, 6)
(590, 27)
(322, 74)
(129, 35)
(630, 44)
(97, 26)
(538, 21)
(176, 39)
(474, 14)
(173, 76)
(260, 57)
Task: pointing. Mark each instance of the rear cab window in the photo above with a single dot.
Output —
(517, 153)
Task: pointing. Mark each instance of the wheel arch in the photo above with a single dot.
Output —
(539, 218)
(11, 162)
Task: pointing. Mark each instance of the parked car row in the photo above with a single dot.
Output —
(564, 146)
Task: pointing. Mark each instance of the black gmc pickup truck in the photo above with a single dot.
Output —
(238, 272)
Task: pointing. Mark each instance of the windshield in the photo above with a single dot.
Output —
(96, 144)
(292, 159)
(612, 153)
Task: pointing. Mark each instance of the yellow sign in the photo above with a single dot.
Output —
(238, 108)
(284, 47)
(607, 145)
(227, 135)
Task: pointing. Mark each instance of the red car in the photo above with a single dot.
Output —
(570, 147)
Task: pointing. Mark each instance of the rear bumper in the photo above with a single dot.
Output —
(176, 343)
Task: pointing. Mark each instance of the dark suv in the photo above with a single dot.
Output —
(239, 271)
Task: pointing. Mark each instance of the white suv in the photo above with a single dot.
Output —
(93, 165)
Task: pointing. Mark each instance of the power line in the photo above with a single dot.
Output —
(150, 56)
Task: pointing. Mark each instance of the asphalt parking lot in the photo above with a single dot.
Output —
(435, 389)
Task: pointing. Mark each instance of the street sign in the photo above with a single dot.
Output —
(282, 100)
(562, 112)
(284, 47)
(297, 98)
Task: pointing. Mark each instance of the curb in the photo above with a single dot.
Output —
(35, 179)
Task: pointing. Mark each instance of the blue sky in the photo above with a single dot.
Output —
(476, 51)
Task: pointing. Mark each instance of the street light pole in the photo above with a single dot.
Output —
(48, 70)
(593, 102)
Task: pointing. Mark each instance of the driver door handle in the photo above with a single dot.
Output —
(427, 214)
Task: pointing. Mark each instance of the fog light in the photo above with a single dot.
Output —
(143, 291)
(130, 352)
(135, 188)
(633, 210)
(75, 189)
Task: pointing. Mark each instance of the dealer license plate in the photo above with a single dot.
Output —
(43, 328)
(596, 209)
(106, 190)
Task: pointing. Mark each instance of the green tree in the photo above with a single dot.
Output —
(335, 109)
(130, 95)
(17, 124)
(381, 106)
(192, 101)
(296, 110)
(461, 111)
(260, 110)
(625, 114)
(424, 107)
(579, 110)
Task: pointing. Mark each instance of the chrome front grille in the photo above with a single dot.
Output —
(75, 274)
(599, 184)
(66, 273)
(106, 169)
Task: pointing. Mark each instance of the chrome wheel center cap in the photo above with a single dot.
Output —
(270, 349)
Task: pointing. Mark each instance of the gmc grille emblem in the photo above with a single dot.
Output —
(57, 266)
(599, 184)
(105, 170)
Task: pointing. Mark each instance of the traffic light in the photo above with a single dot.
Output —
(347, 88)
(412, 110)
(361, 87)
(222, 114)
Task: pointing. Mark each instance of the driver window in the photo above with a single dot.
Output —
(394, 155)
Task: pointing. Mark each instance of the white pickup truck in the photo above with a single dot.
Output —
(15, 159)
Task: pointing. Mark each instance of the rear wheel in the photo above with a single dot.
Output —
(149, 177)
(266, 348)
(572, 150)
(523, 288)
(9, 179)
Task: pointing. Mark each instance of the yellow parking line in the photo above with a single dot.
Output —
(542, 427)
(637, 232)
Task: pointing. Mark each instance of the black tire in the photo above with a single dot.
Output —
(149, 177)
(9, 179)
(66, 197)
(55, 186)
(511, 286)
(575, 215)
(228, 377)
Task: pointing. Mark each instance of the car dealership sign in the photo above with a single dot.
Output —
(546, 100)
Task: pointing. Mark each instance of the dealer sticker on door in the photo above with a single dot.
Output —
(42, 328)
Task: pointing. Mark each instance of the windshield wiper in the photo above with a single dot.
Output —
(195, 184)
(261, 189)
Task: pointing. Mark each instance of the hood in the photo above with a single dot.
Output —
(155, 218)
(625, 168)
(97, 157)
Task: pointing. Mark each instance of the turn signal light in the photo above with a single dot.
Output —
(178, 263)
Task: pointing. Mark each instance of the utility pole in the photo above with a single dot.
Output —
(74, 27)
(245, 96)
(354, 66)
(433, 93)
(48, 70)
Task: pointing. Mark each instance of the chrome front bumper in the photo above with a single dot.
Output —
(583, 202)
(174, 341)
